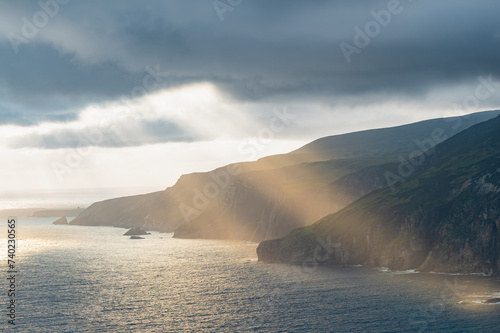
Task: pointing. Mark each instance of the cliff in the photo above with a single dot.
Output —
(443, 218)
(261, 204)
(127, 212)
(272, 196)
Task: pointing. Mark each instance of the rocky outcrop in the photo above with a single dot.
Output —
(136, 232)
(136, 237)
(492, 301)
(61, 221)
(445, 218)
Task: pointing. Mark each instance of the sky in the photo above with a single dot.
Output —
(133, 94)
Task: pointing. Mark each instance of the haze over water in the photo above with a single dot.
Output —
(64, 198)
(93, 279)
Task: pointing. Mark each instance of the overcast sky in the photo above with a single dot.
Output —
(135, 93)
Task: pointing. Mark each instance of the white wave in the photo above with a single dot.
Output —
(460, 274)
(408, 271)
(387, 270)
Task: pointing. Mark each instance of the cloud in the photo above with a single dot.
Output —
(281, 52)
(11, 117)
(128, 135)
(169, 115)
(168, 86)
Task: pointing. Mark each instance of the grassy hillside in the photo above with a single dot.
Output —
(444, 217)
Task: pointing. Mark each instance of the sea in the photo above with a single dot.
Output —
(95, 279)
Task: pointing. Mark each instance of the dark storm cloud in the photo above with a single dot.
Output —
(94, 51)
(40, 80)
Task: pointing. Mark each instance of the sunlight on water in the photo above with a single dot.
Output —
(94, 279)
(34, 238)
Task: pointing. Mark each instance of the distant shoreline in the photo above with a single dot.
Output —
(41, 212)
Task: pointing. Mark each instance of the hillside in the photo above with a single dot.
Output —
(126, 212)
(444, 218)
(274, 195)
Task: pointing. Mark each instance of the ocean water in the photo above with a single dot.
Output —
(94, 279)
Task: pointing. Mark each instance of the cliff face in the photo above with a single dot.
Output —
(266, 204)
(252, 205)
(128, 212)
(468, 236)
(270, 197)
(445, 218)
(262, 204)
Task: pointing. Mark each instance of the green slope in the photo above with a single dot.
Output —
(444, 218)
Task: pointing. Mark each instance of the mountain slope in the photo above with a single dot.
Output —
(444, 218)
(393, 140)
(270, 203)
(274, 195)
(126, 212)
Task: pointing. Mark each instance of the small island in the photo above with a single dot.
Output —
(61, 221)
(136, 232)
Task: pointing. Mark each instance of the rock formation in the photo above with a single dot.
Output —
(61, 221)
(136, 232)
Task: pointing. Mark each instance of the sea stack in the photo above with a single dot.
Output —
(136, 232)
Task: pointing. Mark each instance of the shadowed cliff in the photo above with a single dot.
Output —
(443, 218)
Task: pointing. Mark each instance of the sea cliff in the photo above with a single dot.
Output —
(444, 218)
